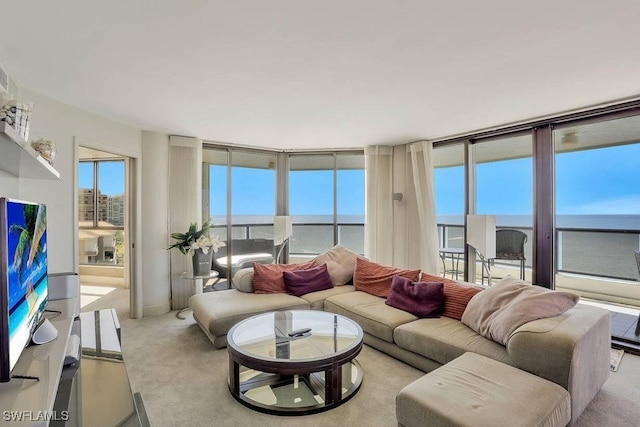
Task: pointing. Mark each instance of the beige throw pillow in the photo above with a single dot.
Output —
(243, 280)
(498, 311)
(341, 262)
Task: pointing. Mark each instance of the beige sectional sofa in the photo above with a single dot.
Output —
(571, 349)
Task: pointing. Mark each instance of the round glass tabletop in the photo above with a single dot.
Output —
(295, 335)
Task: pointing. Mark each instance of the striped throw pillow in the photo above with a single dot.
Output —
(268, 278)
(375, 279)
(456, 295)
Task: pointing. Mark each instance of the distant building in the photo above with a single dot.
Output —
(110, 208)
(115, 210)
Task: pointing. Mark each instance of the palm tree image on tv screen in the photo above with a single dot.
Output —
(25, 272)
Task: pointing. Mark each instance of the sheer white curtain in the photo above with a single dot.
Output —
(401, 233)
(185, 207)
(422, 169)
(378, 236)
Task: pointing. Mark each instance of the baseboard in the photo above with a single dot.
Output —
(157, 310)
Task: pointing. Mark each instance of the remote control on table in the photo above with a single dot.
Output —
(299, 332)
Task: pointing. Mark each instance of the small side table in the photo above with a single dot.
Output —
(199, 283)
(454, 254)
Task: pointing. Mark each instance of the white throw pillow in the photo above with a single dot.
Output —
(243, 280)
(501, 309)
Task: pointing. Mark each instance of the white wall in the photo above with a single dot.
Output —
(62, 124)
(69, 127)
(155, 235)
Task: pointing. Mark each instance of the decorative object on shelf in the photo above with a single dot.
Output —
(17, 115)
(199, 245)
(46, 148)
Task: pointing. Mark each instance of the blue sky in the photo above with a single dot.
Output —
(601, 181)
(111, 177)
(311, 192)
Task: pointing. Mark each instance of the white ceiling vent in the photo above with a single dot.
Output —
(4, 80)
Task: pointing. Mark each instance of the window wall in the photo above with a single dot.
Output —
(239, 192)
(325, 197)
(571, 184)
(449, 188)
(504, 188)
(326, 202)
(101, 212)
(597, 185)
(502, 179)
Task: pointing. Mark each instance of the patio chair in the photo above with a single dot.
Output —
(510, 246)
(244, 252)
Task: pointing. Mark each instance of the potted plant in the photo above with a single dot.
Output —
(199, 245)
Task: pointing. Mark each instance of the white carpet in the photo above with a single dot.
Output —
(183, 381)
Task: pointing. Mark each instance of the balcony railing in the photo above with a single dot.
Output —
(604, 253)
(307, 238)
(588, 251)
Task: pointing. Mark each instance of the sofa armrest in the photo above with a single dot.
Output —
(572, 350)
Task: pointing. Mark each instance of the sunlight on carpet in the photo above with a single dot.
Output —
(90, 294)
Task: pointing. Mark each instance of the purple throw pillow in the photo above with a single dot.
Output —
(302, 282)
(422, 299)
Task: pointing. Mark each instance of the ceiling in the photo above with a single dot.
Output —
(303, 74)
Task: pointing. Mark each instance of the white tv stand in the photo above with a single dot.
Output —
(33, 400)
(95, 391)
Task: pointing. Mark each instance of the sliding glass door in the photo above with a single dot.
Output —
(449, 188)
(504, 188)
(597, 184)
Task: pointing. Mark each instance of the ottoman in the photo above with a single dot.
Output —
(473, 390)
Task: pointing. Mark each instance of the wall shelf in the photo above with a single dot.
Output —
(17, 158)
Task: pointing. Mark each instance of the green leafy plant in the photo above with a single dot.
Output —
(30, 238)
(194, 239)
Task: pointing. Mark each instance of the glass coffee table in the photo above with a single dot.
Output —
(294, 362)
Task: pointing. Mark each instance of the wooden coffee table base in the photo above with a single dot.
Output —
(297, 394)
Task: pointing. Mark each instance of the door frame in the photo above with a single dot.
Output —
(133, 228)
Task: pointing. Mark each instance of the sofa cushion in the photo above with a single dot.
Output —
(474, 390)
(316, 299)
(302, 282)
(422, 299)
(220, 310)
(456, 295)
(341, 263)
(375, 279)
(509, 304)
(370, 312)
(443, 339)
(268, 279)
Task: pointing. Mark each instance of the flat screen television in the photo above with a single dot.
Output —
(23, 277)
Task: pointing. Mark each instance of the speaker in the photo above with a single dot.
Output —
(45, 333)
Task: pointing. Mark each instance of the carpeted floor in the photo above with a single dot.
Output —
(182, 379)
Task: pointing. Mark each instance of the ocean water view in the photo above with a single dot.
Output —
(605, 222)
(599, 245)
